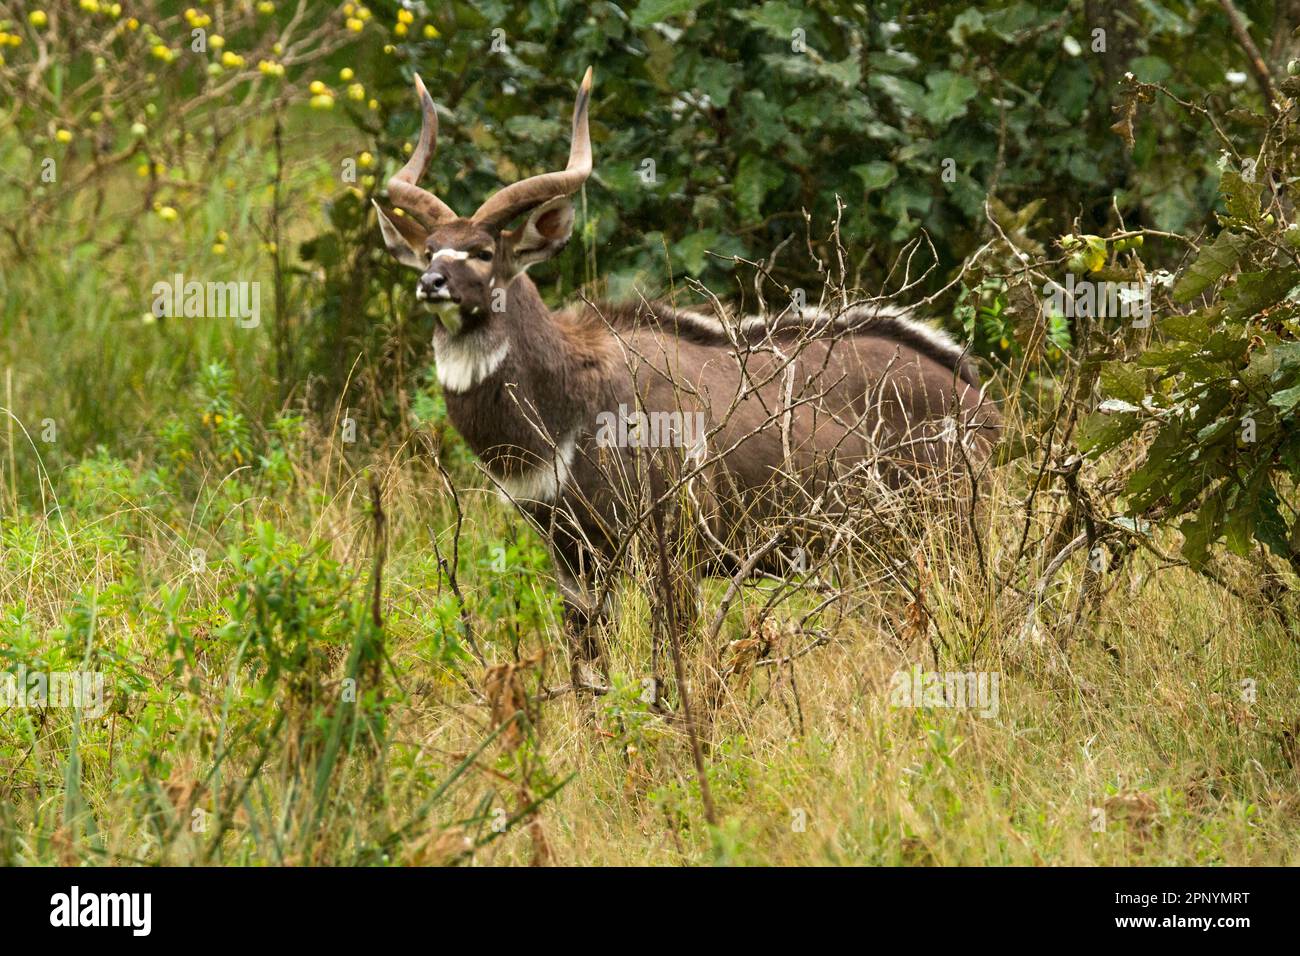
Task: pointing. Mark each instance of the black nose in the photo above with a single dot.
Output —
(433, 283)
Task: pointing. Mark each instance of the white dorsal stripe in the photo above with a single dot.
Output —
(465, 361)
(939, 340)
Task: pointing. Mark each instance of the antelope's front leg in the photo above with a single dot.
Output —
(583, 617)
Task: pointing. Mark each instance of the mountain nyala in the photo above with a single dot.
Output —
(724, 444)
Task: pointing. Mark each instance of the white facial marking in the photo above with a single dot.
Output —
(450, 254)
(543, 482)
(465, 361)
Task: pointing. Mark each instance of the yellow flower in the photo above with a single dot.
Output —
(133, 24)
(399, 30)
(231, 61)
(266, 8)
(222, 235)
(407, 148)
(161, 52)
(431, 32)
(365, 160)
(405, 16)
(115, 10)
(90, 6)
(318, 88)
(216, 41)
(373, 105)
(322, 102)
(277, 48)
(167, 214)
(148, 318)
(218, 418)
(219, 248)
(142, 170)
(346, 74)
(363, 13)
(355, 25)
(357, 92)
(347, 9)
(63, 136)
(37, 18)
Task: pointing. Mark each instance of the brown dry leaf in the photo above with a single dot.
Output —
(1134, 808)
(183, 790)
(917, 621)
(440, 847)
(503, 685)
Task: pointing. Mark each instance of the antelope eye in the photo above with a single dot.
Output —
(484, 255)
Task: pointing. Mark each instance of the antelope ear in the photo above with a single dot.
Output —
(404, 238)
(543, 234)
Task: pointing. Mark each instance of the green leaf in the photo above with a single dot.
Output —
(845, 72)
(1215, 261)
(1194, 327)
(1240, 197)
(908, 96)
(949, 93)
(876, 174)
(774, 18)
(1285, 400)
(755, 178)
(1100, 432)
(692, 251)
(1255, 291)
(1123, 380)
(1270, 528)
(657, 11)
(967, 23)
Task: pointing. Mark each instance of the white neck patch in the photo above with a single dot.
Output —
(543, 482)
(465, 361)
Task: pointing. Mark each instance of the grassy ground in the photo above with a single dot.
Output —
(223, 739)
(215, 561)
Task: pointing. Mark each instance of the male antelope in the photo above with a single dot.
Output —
(792, 411)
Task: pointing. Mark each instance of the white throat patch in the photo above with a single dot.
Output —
(464, 361)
